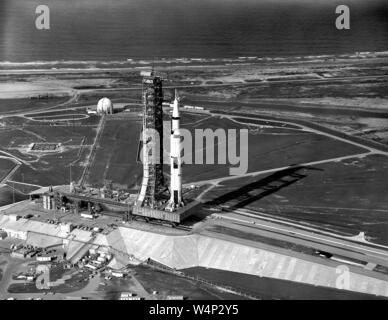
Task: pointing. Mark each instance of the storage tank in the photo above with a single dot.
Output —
(104, 105)
(48, 202)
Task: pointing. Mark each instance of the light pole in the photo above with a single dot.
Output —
(70, 178)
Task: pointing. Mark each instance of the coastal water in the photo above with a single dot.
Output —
(100, 30)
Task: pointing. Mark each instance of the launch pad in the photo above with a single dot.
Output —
(155, 200)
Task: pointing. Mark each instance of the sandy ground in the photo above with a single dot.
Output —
(260, 74)
(15, 90)
(357, 102)
(46, 85)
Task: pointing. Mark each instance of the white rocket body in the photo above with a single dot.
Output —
(175, 159)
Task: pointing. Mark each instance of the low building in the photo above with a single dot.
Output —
(131, 298)
(97, 263)
(18, 254)
(175, 298)
(14, 217)
(66, 227)
(91, 110)
(90, 266)
(101, 259)
(87, 216)
(118, 274)
(43, 258)
(17, 234)
(30, 278)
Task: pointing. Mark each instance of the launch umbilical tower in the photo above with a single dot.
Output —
(152, 140)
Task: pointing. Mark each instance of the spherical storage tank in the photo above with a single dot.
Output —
(104, 105)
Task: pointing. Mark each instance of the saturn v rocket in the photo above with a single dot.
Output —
(175, 159)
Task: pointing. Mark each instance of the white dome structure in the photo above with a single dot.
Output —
(104, 105)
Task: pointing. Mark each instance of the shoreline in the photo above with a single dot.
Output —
(132, 64)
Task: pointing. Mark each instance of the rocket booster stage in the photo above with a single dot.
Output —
(175, 158)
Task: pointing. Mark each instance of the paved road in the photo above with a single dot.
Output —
(341, 247)
(288, 222)
(295, 231)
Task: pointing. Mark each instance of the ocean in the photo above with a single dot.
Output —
(117, 30)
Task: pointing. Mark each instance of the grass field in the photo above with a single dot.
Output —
(6, 196)
(22, 187)
(116, 154)
(16, 137)
(169, 284)
(268, 148)
(162, 282)
(267, 288)
(24, 105)
(53, 169)
(115, 157)
(5, 167)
